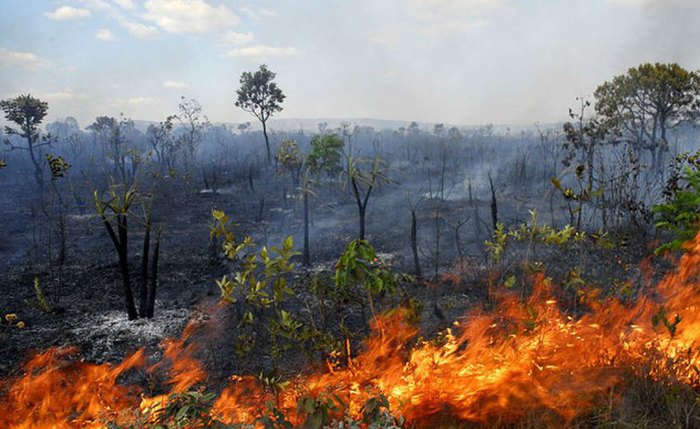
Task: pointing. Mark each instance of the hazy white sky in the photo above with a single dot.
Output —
(453, 61)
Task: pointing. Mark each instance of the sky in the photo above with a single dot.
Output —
(451, 61)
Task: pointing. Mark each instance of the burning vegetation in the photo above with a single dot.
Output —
(520, 363)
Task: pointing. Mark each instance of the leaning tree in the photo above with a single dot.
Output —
(260, 96)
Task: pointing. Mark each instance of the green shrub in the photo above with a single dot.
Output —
(680, 214)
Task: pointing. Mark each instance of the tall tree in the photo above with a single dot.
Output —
(27, 112)
(260, 96)
(646, 102)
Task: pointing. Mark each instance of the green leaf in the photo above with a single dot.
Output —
(182, 413)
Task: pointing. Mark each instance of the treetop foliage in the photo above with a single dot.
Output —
(326, 154)
(289, 155)
(258, 93)
(25, 111)
(641, 105)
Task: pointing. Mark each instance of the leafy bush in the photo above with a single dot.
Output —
(359, 266)
(680, 214)
(260, 284)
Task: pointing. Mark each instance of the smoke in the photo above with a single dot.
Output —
(671, 31)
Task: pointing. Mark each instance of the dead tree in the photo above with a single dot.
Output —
(494, 204)
(413, 208)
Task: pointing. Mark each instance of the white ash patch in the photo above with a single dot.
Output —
(115, 323)
(106, 337)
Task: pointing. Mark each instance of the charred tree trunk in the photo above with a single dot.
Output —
(123, 251)
(475, 210)
(361, 204)
(414, 244)
(307, 252)
(120, 242)
(261, 209)
(362, 213)
(438, 213)
(250, 179)
(62, 240)
(154, 278)
(62, 233)
(494, 205)
(437, 242)
(205, 178)
(458, 241)
(143, 304)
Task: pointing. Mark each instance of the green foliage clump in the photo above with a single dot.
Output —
(290, 160)
(681, 213)
(261, 96)
(520, 251)
(57, 165)
(249, 282)
(261, 283)
(326, 154)
(289, 156)
(318, 412)
(360, 267)
(193, 409)
(661, 318)
(27, 112)
(533, 233)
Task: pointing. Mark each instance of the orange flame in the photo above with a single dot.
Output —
(503, 364)
(58, 394)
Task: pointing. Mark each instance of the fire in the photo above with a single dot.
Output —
(58, 394)
(500, 365)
